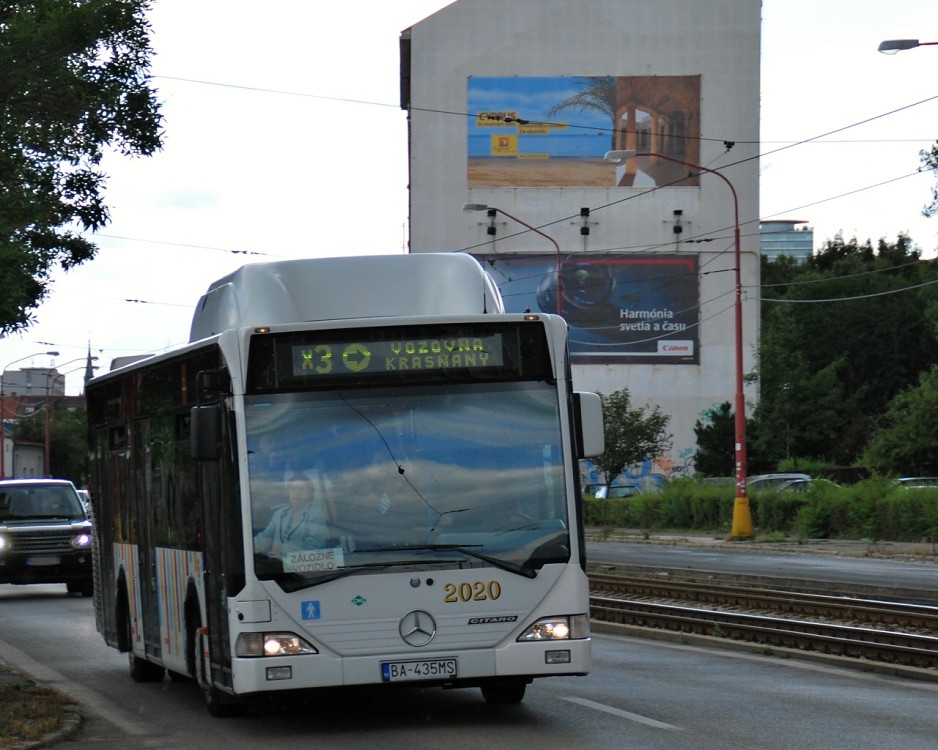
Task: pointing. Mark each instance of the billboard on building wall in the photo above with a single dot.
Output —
(526, 131)
(621, 309)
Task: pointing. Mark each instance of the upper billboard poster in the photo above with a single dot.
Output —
(555, 131)
(621, 309)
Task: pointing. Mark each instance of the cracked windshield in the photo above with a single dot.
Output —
(431, 475)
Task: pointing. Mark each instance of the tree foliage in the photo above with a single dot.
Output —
(906, 435)
(930, 161)
(842, 335)
(68, 440)
(716, 442)
(632, 434)
(73, 83)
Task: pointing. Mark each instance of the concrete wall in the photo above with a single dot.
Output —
(661, 56)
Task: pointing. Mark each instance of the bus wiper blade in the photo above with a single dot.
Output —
(345, 572)
(464, 550)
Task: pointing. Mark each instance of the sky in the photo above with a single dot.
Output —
(266, 113)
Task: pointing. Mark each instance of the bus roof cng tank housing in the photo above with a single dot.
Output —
(308, 290)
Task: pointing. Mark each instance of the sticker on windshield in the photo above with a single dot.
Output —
(313, 560)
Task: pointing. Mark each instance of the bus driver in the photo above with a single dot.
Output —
(302, 524)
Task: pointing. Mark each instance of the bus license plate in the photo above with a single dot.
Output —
(424, 669)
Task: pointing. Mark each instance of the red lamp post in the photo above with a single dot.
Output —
(742, 517)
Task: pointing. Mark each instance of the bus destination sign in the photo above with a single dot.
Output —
(360, 357)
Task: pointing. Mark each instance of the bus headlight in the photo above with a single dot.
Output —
(272, 644)
(4, 544)
(562, 628)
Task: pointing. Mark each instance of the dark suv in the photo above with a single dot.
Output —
(45, 534)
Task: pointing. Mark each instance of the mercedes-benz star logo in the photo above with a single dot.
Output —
(417, 628)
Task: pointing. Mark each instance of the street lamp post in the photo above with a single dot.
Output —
(892, 46)
(492, 211)
(742, 517)
(3, 429)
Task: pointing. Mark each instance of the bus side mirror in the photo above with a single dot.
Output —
(588, 412)
(205, 432)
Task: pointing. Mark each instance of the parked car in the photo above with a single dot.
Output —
(774, 481)
(803, 485)
(917, 482)
(45, 534)
(85, 497)
(602, 492)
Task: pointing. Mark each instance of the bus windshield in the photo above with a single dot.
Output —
(425, 476)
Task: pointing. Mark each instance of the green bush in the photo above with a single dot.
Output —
(776, 511)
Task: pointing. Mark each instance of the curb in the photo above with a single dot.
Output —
(70, 726)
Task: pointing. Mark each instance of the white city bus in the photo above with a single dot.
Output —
(436, 438)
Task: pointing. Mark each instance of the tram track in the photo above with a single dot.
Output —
(872, 631)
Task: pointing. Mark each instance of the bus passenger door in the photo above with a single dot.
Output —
(106, 497)
(222, 545)
(146, 503)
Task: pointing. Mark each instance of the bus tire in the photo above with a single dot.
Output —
(223, 706)
(504, 692)
(140, 670)
(219, 703)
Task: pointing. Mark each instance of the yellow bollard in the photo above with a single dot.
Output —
(742, 519)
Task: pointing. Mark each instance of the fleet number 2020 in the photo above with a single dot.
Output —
(477, 591)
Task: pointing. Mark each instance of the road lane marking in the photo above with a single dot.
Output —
(639, 719)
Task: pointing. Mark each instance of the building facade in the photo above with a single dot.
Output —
(27, 393)
(607, 153)
(778, 237)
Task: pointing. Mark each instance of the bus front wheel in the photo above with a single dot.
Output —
(221, 705)
(218, 702)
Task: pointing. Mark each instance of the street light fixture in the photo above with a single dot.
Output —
(492, 211)
(742, 517)
(892, 46)
(3, 429)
